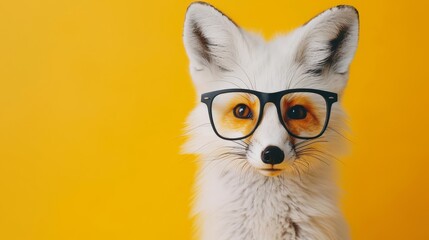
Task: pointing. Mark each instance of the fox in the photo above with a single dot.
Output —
(268, 125)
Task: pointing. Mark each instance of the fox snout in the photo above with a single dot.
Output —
(272, 155)
(272, 161)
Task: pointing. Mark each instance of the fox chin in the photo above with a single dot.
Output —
(268, 125)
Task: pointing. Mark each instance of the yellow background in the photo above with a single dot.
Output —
(93, 95)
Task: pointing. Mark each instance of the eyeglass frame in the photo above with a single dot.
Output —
(275, 98)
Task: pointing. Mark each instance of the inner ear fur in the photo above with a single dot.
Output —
(211, 38)
(329, 40)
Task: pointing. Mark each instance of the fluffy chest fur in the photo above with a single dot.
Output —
(231, 205)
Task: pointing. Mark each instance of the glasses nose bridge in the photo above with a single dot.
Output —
(272, 115)
(270, 98)
(273, 98)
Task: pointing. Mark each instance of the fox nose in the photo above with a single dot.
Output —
(272, 155)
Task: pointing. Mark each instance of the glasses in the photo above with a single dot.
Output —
(236, 113)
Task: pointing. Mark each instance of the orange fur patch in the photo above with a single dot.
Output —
(229, 121)
(311, 124)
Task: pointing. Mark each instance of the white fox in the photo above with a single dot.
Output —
(268, 128)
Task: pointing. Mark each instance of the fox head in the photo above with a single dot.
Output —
(222, 55)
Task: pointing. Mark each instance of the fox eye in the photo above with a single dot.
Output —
(297, 112)
(242, 111)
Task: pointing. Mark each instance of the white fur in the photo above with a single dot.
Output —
(233, 200)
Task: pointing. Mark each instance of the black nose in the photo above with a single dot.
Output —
(272, 155)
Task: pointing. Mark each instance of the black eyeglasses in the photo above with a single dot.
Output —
(236, 113)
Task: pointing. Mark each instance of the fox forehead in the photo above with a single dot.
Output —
(269, 66)
(269, 71)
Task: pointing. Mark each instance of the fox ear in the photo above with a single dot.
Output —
(210, 37)
(329, 40)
